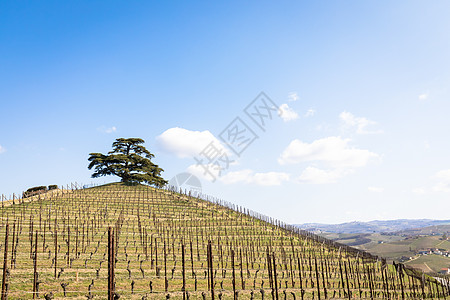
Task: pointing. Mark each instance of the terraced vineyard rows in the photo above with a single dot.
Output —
(147, 243)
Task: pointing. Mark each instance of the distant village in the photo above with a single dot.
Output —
(430, 251)
(435, 251)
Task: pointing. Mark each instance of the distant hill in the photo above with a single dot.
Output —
(372, 226)
(399, 240)
(429, 230)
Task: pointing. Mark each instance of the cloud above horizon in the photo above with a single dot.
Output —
(375, 189)
(187, 143)
(334, 151)
(311, 112)
(337, 157)
(313, 175)
(107, 130)
(287, 113)
(423, 96)
(209, 172)
(293, 96)
(250, 177)
(359, 123)
(443, 181)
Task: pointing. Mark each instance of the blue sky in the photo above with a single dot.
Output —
(362, 87)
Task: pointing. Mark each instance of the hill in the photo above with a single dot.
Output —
(403, 246)
(372, 226)
(428, 230)
(148, 243)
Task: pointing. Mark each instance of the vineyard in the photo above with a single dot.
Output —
(138, 242)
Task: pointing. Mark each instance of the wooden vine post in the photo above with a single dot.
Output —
(56, 248)
(5, 263)
(317, 278)
(166, 282)
(234, 274)
(35, 276)
(275, 275)
(110, 263)
(269, 269)
(210, 262)
(184, 274)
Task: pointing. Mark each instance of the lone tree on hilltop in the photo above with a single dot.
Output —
(130, 161)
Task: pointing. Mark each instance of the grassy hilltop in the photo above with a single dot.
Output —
(159, 233)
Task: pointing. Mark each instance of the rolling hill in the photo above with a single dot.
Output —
(138, 242)
(402, 246)
(376, 226)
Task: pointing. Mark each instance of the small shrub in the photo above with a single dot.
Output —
(52, 187)
(37, 188)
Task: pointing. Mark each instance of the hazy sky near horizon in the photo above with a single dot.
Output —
(361, 131)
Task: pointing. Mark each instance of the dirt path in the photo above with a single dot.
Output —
(440, 243)
(431, 270)
(413, 259)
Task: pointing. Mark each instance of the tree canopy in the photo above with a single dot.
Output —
(129, 160)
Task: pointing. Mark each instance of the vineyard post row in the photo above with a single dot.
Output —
(271, 260)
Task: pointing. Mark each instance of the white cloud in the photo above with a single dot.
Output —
(293, 96)
(419, 191)
(187, 143)
(209, 172)
(311, 112)
(314, 175)
(440, 183)
(423, 97)
(107, 129)
(443, 181)
(250, 177)
(237, 176)
(111, 129)
(360, 123)
(270, 178)
(375, 189)
(287, 113)
(2, 149)
(333, 151)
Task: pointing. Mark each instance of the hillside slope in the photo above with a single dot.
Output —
(162, 239)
